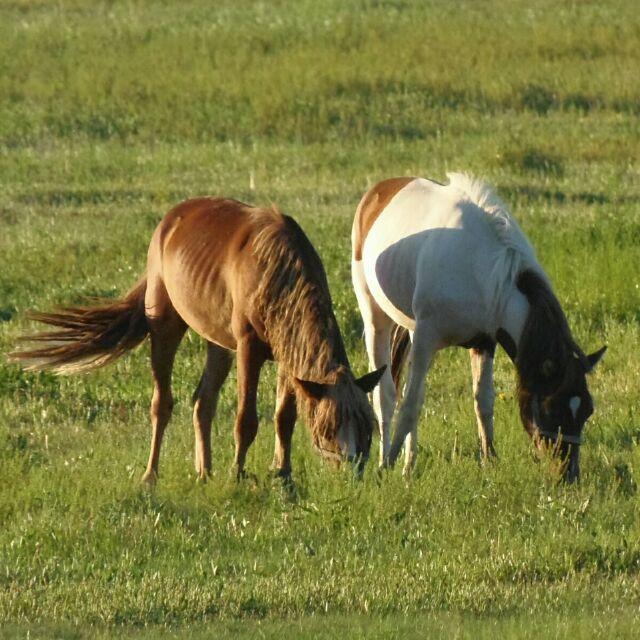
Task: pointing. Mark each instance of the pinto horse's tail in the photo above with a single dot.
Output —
(399, 348)
(87, 337)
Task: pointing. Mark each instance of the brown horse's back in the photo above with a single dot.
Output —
(201, 265)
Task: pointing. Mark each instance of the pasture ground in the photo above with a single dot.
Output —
(325, 627)
(110, 113)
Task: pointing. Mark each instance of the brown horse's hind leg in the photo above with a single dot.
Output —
(215, 373)
(167, 330)
(285, 418)
(251, 356)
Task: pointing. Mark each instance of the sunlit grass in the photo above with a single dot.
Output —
(112, 113)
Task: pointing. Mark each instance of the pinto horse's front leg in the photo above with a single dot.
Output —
(251, 355)
(483, 398)
(423, 348)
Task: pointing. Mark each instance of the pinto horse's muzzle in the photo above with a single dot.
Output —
(566, 448)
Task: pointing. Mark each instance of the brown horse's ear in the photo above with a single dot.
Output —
(370, 380)
(594, 358)
(311, 390)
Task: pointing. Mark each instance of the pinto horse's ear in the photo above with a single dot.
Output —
(368, 382)
(311, 390)
(594, 358)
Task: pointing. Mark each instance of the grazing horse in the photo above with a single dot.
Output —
(247, 280)
(443, 265)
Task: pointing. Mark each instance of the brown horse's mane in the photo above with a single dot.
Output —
(546, 346)
(294, 300)
(295, 305)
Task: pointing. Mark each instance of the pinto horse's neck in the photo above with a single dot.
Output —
(541, 334)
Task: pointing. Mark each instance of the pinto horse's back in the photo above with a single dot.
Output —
(443, 252)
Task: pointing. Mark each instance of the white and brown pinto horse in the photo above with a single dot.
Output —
(248, 281)
(443, 265)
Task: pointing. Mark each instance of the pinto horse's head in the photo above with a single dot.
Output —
(556, 409)
(340, 416)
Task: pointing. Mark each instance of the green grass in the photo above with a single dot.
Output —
(111, 113)
(589, 627)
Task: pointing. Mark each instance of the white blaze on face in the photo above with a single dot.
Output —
(574, 405)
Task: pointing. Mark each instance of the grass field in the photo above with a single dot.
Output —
(112, 112)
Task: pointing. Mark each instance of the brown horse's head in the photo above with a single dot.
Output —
(556, 408)
(339, 415)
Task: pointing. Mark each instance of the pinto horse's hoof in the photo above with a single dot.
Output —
(203, 477)
(382, 470)
(149, 479)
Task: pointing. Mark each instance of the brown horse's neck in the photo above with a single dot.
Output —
(307, 340)
(294, 302)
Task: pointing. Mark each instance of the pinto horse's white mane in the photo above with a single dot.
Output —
(505, 227)
(519, 254)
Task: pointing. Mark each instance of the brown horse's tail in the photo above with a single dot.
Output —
(399, 348)
(87, 337)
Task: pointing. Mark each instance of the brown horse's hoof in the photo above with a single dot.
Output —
(243, 476)
(285, 480)
(284, 476)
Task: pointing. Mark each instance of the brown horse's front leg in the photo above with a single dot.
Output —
(285, 419)
(251, 356)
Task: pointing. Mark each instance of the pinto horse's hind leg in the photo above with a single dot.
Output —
(215, 372)
(423, 348)
(483, 398)
(251, 356)
(166, 332)
(377, 338)
(377, 335)
(285, 419)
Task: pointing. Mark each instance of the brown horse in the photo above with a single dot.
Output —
(247, 280)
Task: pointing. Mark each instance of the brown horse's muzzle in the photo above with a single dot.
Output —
(337, 458)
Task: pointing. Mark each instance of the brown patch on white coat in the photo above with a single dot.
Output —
(372, 204)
